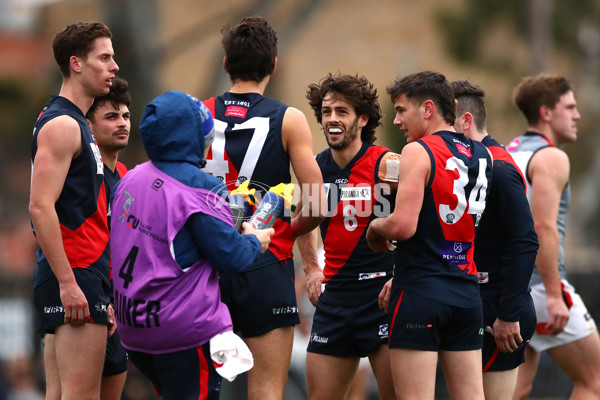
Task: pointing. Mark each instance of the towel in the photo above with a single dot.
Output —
(230, 355)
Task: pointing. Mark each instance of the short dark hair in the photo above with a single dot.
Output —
(250, 49)
(76, 40)
(539, 90)
(117, 95)
(353, 89)
(470, 99)
(426, 85)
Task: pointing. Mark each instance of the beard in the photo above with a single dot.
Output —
(348, 138)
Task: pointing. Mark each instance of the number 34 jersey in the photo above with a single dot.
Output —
(437, 262)
(248, 146)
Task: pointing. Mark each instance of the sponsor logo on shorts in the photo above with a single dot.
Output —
(318, 339)
(370, 275)
(480, 332)
(54, 310)
(384, 330)
(285, 310)
(587, 316)
(100, 307)
(418, 326)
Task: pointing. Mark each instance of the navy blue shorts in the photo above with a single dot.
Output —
(186, 374)
(46, 297)
(492, 358)
(418, 322)
(115, 360)
(261, 299)
(347, 330)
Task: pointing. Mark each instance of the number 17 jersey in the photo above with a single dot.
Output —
(248, 146)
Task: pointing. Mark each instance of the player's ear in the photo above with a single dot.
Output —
(75, 63)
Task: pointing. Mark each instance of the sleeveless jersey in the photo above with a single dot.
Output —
(355, 198)
(160, 307)
(506, 243)
(110, 180)
(522, 150)
(437, 262)
(248, 146)
(81, 206)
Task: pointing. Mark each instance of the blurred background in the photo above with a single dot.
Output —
(175, 44)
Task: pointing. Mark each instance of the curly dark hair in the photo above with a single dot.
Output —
(426, 85)
(117, 95)
(353, 89)
(470, 98)
(250, 49)
(539, 90)
(76, 40)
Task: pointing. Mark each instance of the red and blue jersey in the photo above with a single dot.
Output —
(355, 197)
(248, 146)
(82, 204)
(437, 262)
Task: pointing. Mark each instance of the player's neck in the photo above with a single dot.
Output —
(343, 156)
(110, 160)
(75, 93)
(545, 131)
(240, 86)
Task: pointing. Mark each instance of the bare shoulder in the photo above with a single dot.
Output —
(295, 130)
(61, 135)
(549, 164)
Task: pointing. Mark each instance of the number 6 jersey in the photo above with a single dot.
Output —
(437, 262)
(248, 147)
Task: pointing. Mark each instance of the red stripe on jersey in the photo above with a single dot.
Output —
(121, 169)
(203, 367)
(210, 103)
(282, 241)
(502, 155)
(86, 244)
(340, 240)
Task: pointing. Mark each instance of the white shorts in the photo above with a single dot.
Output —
(580, 324)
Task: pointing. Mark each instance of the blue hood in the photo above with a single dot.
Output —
(172, 129)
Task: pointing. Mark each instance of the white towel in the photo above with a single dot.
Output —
(230, 354)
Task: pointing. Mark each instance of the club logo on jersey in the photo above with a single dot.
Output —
(484, 277)
(455, 253)
(384, 330)
(361, 193)
(512, 146)
(450, 218)
(370, 275)
(126, 205)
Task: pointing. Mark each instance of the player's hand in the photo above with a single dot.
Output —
(112, 324)
(384, 295)
(263, 235)
(74, 302)
(506, 334)
(314, 281)
(559, 315)
(378, 243)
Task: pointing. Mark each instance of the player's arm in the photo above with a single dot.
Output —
(307, 244)
(297, 141)
(58, 142)
(388, 170)
(401, 224)
(549, 173)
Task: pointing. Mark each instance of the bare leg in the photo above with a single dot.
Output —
(329, 377)
(111, 386)
(581, 361)
(414, 373)
(462, 370)
(499, 385)
(526, 374)
(80, 357)
(380, 362)
(51, 368)
(272, 352)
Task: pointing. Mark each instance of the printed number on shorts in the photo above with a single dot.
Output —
(476, 203)
(126, 271)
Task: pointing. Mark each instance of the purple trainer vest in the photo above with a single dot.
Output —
(159, 307)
